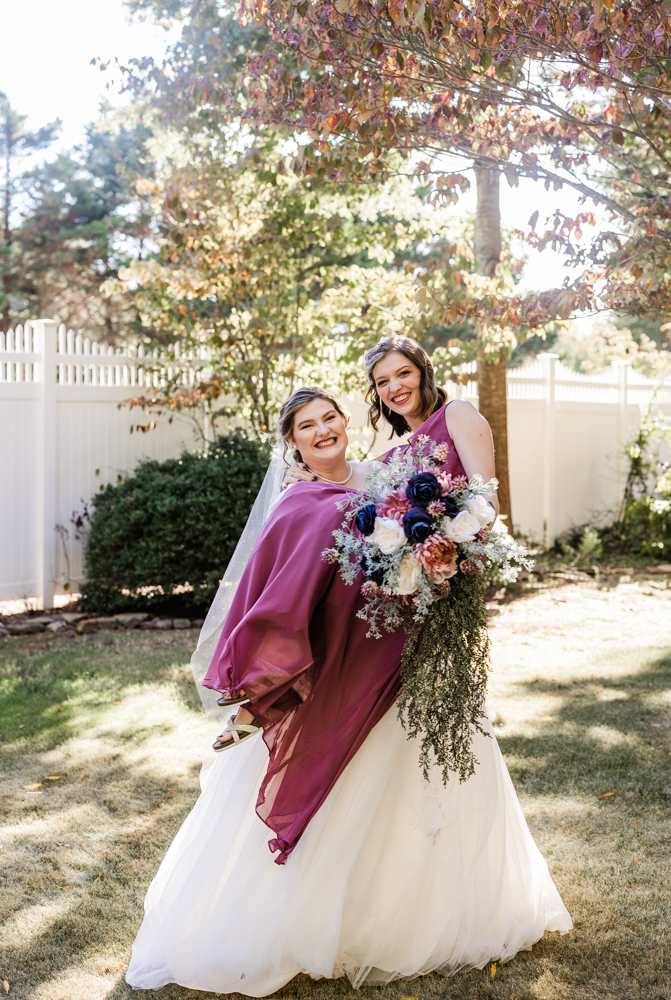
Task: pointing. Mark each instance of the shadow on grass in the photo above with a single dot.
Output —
(606, 733)
(43, 681)
(597, 741)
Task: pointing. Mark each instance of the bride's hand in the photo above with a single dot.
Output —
(296, 474)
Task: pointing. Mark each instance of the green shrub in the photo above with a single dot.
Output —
(163, 537)
(645, 530)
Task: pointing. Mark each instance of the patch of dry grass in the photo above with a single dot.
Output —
(579, 714)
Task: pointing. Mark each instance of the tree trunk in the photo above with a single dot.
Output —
(492, 388)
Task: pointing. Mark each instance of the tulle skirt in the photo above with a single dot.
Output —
(394, 877)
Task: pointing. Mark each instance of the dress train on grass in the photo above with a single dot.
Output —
(394, 877)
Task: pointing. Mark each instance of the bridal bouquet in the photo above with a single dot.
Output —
(417, 536)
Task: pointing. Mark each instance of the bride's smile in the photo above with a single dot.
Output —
(320, 434)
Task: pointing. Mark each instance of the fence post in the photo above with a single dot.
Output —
(44, 331)
(622, 370)
(548, 363)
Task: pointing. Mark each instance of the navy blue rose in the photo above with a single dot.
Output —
(365, 519)
(422, 489)
(450, 506)
(418, 525)
(372, 570)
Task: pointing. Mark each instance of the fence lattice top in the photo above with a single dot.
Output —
(77, 360)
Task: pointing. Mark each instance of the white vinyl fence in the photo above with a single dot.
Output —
(63, 435)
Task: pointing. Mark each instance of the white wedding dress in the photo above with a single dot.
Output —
(394, 877)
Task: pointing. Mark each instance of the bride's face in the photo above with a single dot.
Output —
(397, 381)
(320, 433)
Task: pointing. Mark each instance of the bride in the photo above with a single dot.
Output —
(387, 875)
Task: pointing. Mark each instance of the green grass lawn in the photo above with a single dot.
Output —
(115, 720)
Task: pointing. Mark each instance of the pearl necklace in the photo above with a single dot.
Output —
(334, 482)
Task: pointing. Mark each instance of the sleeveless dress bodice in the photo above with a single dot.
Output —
(435, 428)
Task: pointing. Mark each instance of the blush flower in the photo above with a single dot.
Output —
(445, 480)
(369, 589)
(435, 509)
(468, 566)
(441, 452)
(395, 505)
(437, 556)
(330, 555)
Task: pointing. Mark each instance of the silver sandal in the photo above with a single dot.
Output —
(233, 728)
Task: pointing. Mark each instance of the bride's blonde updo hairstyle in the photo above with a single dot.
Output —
(431, 395)
(296, 401)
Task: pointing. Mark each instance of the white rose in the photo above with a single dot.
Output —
(462, 528)
(479, 508)
(388, 534)
(409, 575)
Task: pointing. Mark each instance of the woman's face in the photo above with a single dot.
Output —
(397, 381)
(320, 433)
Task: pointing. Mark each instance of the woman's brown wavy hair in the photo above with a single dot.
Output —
(430, 393)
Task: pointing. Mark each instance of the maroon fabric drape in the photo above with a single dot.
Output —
(435, 428)
(293, 643)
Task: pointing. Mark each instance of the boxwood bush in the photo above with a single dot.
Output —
(162, 538)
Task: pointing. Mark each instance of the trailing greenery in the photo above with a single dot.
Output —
(445, 664)
(163, 537)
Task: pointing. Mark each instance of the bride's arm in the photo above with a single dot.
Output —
(472, 438)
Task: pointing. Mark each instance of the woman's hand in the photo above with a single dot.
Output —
(298, 472)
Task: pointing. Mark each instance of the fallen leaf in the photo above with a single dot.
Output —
(80, 777)
(606, 795)
(6, 985)
(97, 879)
(22, 726)
(66, 887)
(36, 784)
(493, 973)
(636, 859)
(68, 755)
(116, 703)
(171, 791)
(655, 725)
(60, 708)
(119, 966)
(52, 777)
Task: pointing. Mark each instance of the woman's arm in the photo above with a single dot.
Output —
(472, 438)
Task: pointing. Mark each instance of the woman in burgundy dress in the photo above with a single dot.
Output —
(382, 874)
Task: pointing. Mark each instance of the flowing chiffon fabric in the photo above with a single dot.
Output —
(394, 877)
(293, 642)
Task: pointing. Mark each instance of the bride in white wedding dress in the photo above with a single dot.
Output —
(394, 876)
